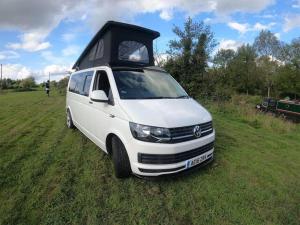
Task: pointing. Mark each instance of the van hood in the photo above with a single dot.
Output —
(165, 112)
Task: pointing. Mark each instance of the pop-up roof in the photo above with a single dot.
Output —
(119, 44)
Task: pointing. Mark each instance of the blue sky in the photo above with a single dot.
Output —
(38, 37)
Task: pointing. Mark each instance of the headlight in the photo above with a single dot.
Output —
(149, 133)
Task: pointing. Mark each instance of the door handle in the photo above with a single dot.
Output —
(90, 102)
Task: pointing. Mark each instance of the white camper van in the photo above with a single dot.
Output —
(134, 111)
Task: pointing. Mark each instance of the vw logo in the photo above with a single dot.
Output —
(197, 131)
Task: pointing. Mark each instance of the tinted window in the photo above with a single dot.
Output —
(87, 85)
(100, 49)
(77, 82)
(133, 51)
(147, 84)
(72, 84)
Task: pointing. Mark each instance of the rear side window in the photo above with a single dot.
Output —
(80, 83)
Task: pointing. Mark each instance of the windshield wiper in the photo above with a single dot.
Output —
(183, 96)
(159, 97)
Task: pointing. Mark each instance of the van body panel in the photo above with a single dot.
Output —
(97, 120)
(167, 113)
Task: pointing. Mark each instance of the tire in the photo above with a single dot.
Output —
(120, 159)
(70, 123)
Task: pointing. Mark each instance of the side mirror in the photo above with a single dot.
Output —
(99, 96)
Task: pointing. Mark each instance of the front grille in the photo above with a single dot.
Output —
(173, 158)
(181, 134)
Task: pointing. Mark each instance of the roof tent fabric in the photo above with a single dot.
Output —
(119, 44)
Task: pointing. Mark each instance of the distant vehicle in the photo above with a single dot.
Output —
(286, 108)
(134, 111)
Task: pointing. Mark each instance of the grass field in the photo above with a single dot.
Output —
(52, 175)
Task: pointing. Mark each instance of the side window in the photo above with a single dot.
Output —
(100, 49)
(87, 84)
(102, 83)
(80, 78)
(72, 83)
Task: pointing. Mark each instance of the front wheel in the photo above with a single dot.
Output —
(120, 159)
(70, 123)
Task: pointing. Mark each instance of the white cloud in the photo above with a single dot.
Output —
(166, 15)
(8, 55)
(31, 42)
(36, 19)
(277, 35)
(229, 44)
(51, 58)
(67, 37)
(54, 69)
(268, 16)
(297, 4)
(65, 57)
(259, 26)
(71, 50)
(229, 6)
(35, 14)
(240, 27)
(57, 72)
(16, 71)
(291, 22)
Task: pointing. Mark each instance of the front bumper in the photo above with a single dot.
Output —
(176, 152)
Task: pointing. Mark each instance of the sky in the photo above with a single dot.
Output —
(41, 37)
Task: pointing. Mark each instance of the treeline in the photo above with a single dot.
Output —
(29, 84)
(268, 67)
(60, 85)
(25, 84)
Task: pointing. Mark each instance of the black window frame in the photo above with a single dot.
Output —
(96, 85)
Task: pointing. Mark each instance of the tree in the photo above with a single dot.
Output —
(244, 66)
(268, 69)
(189, 54)
(267, 44)
(62, 84)
(223, 57)
(27, 83)
(288, 81)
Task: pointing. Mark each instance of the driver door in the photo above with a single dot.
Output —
(100, 111)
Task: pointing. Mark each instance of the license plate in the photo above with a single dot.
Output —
(196, 161)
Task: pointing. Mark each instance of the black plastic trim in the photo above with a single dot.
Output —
(173, 158)
(160, 170)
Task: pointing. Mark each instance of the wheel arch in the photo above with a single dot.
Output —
(108, 142)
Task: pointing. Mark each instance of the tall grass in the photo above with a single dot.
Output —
(242, 108)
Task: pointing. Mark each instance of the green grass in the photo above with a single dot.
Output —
(52, 175)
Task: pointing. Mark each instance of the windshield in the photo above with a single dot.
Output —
(147, 84)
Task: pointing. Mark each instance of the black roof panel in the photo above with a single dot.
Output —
(112, 34)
